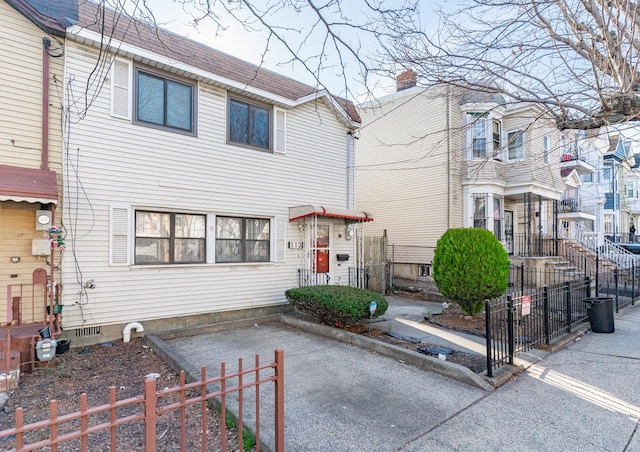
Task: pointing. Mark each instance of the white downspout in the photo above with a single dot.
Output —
(126, 333)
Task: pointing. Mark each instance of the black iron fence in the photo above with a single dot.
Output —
(529, 316)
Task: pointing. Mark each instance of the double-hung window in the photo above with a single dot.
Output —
(515, 143)
(545, 149)
(480, 210)
(163, 102)
(169, 238)
(240, 239)
(479, 138)
(497, 217)
(249, 124)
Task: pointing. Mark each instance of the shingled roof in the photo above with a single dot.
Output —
(98, 19)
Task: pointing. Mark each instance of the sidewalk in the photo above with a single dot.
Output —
(583, 397)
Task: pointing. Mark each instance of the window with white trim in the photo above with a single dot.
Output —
(240, 239)
(485, 136)
(249, 124)
(479, 210)
(515, 144)
(479, 138)
(545, 149)
(169, 238)
(164, 102)
(497, 217)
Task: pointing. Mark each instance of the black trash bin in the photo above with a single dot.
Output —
(600, 313)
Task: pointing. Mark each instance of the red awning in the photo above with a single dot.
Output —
(296, 213)
(28, 185)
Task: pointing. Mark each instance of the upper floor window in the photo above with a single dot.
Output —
(241, 239)
(164, 102)
(479, 138)
(545, 148)
(515, 145)
(497, 137)
(169, 238)
(485, 136)
(249, 124)
(607, 179)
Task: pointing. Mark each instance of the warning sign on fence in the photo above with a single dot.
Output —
(526, 305)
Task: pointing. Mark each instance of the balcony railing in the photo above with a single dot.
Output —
(575, 205)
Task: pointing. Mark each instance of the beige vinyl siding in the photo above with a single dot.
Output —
(21, 93)
(532, 169)
(16, 219)
(131, 165)
(402, 165)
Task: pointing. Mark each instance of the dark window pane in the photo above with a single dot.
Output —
(260, 127)
(188, 250)
(257, 229)
(190, 226)
(238, 122)
(228, 228)
(257, 251)
(152, 251)
(179, 105)
(152, 224)
(228, 250)
(150, 99)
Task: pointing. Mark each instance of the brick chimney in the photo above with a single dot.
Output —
(406, 79)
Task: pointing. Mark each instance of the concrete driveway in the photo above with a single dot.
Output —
(338, 397)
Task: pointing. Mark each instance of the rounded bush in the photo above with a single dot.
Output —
(335, 305)
(469, 266)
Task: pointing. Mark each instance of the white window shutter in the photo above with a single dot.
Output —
(119, 235)
(280, 131)
(121, 76)
(281, 240)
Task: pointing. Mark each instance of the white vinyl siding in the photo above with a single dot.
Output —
(155, 169)
(121, 88)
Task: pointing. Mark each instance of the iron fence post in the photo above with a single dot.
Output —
(588, 286)
(522, 278)
(616, 287)
(511, 338)
(545, 307)
(597, 272)
(567, 317)
(487, 326)
(633, 283)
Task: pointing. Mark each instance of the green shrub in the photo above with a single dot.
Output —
(469, 266)
(336, 304)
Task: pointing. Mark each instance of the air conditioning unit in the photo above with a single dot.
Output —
(43, 220)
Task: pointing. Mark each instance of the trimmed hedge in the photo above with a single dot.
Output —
(335, 305)
(469, 266)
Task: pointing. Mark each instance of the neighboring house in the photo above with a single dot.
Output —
(582, 202)
(30, 159)
(198, 187)
(620, 185)
(430, 159)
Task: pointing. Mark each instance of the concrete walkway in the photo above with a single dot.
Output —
(342, 398)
